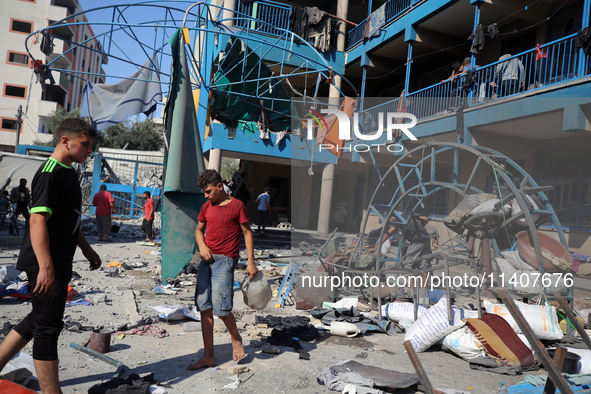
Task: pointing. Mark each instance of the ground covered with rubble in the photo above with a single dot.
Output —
(122, 298)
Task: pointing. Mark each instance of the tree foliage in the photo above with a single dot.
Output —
(229, 166)
(133, 135)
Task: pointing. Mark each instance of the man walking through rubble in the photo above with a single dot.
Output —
(221, 219)
(47, 251)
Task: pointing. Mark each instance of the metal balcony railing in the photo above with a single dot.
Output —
(274, 15)
(394, 8)
(557, 62)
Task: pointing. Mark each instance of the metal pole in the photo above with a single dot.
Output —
(19, 115)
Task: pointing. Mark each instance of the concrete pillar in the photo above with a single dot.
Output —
(325, 199)
(342, 10)
(215, 160)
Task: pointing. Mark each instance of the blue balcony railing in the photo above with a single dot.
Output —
(394, 8)
(512, 76)
(272, 16)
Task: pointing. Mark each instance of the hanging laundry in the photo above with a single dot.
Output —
(109, 104)
(493, 31)
(583, 40)
(42, 72)
(315, 15)
(263, 123)
(298, 19)
(280, 136)
(376, 21)
(401, 107)
(320, 29)
(46, 43)
(540, 54)
(477, 37)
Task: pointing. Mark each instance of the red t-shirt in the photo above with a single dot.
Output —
(222, 235)
(149, 206)
(102, 201)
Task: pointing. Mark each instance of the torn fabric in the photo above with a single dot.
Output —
(109, 104)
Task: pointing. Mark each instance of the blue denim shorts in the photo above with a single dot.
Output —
(214, 285)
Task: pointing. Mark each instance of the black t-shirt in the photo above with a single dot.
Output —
(55, 190)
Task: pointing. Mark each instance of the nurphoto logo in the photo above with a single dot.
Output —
(386, 123)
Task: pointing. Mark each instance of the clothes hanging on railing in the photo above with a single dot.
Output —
(315, 15)
(298, 20)
(374, 23)
(311, 23)
(322, 33)
(540, 54)
(583, 40)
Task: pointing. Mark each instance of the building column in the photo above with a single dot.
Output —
(325, 198)
(342, 10)
(215, 160)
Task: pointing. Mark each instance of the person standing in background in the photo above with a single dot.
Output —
(105, 205)
(264, 209)
(148, 222)
(21, 199)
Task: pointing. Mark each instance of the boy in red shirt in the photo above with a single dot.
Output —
(105, 205)
(224, 218)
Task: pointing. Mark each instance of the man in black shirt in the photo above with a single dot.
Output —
(47, 251)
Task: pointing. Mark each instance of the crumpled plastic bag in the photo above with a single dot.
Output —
(257, 292)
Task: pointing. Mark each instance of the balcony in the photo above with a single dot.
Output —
(274, 16)
(556, 63)
(45, 108)
(394, 9)
(65, 3)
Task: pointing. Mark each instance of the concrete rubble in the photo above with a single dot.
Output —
(123, 299)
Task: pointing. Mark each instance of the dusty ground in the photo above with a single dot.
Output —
(168, 357)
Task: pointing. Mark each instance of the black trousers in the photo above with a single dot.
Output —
(45, 322)
(147, 227)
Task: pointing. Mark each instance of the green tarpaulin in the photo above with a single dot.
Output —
(182, 197)
(242, 81)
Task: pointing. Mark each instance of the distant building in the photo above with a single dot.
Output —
(19, 83)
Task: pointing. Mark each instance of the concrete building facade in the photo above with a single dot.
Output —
(19, 82)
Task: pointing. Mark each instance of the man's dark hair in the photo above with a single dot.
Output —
(73, 126)
(5, 192)
(267, 189)
(103, 187)
(148, 193)
(209, 177)
(23, 180)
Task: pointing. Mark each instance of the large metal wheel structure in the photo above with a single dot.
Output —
(413, 185)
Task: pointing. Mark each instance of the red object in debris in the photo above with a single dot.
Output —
(72, 293)
(549, 245)
(7, 386)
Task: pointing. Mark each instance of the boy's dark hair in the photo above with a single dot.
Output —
(72, 126)
(103, 187)
(267, 189)
(148, 193)
(209, 177)
(5, 192)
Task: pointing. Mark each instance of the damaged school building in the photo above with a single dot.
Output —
(380, 127)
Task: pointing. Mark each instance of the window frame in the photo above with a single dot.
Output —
(8, 52)
(14, 97)
(2, 118)
(21, 20)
